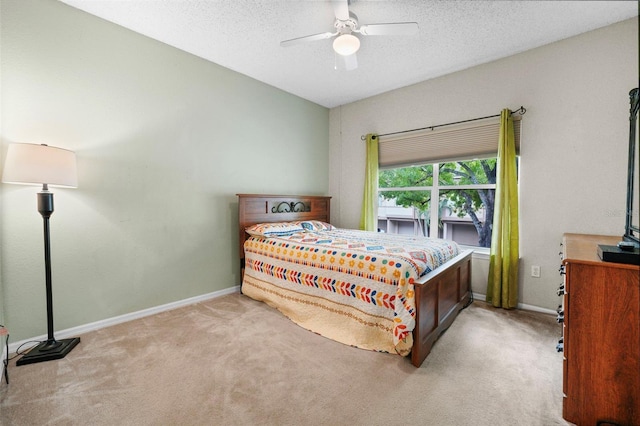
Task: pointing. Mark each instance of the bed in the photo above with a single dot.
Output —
(354, 294)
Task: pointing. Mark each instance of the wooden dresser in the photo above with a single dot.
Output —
(601, 335)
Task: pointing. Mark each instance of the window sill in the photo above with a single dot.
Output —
(478, 252)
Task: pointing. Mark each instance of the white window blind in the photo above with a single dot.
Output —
(476, 139)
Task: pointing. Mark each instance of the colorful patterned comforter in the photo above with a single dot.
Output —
(354, 287)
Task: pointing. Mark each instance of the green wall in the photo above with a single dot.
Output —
(164, 140)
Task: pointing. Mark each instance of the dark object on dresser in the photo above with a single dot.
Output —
(632, 223)
(609, 253)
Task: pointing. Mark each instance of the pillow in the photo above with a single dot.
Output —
(276, 229)
(285, 229)
(316, 225)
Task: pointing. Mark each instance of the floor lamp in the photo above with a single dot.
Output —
(41, 164)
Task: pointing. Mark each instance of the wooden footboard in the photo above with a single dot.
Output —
(440, 295)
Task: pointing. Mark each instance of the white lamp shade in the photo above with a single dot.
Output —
(40, 164)
(346, 44)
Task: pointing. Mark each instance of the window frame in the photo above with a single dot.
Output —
(435, 189)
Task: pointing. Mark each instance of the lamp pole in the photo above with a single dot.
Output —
(51, 348)
(45, 207)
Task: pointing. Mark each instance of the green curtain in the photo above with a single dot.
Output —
(368, 221)
(502, 288)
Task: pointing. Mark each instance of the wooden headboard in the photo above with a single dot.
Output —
(260, 208)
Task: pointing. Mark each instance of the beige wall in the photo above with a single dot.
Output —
(164, 141)
(574, 140)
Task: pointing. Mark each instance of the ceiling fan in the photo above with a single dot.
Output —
(346, 24)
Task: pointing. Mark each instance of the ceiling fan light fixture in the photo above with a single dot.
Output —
(346, 44)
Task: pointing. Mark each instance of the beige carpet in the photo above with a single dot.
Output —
(234, 361)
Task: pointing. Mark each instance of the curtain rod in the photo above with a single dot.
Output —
(522, 110)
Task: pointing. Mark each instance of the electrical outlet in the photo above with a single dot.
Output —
(535, 271)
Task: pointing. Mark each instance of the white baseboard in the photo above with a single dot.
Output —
(524, 306)
(72, 332)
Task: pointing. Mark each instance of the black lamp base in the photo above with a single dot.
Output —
(47, 351)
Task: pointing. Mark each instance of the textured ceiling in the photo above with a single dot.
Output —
(244, 35)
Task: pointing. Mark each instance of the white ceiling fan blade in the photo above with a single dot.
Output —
(341, 9)
(306, 39)
(399, 28)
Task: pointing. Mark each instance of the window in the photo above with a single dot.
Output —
(443, 175)
(458, 196)
(440, 181)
